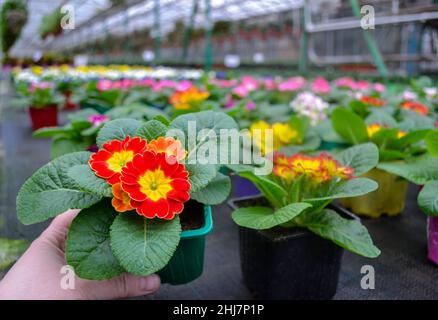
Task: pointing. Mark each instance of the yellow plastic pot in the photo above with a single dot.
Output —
(388, 199)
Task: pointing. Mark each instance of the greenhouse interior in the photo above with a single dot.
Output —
(219, 150)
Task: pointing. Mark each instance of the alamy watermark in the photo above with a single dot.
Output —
(368, 17)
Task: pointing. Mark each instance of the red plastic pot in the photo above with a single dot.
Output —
(43, 117)
(68, 104)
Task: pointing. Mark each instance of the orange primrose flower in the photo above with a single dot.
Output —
(109, 161)
(375, 127)
(157, 185)
(121, 200)
(416, 107)
(169, 146)
(373, 101)
(183, 100)
(319, 168)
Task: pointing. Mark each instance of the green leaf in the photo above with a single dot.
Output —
(349, 126)
(88, 181)
(200, 175)
(50, 191)
(417, 170)
(49, 132)
(349, 234)
(261, 218)
(411, 138)
(206, 122)
(62, 146)
(144, 246)
(162, 119)
(151, 130)
(432, 143)
(362, 158)
(382, 118)
(10, 251)
(215, 192)
(347, 189)
(272, 191)
(117, 129)
(428, 198)
(88, 248)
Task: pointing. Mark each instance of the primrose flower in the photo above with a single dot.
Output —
(318, 169)
(409, 95)
(416, 107)
(430, 92)
(282, 135)
(104, 85)
(373, 128)
(169, 146)
(184, 100)
(109, 161)
(310, 105)
(97, 119)
(292, 84)
(372, 101)
(156, 186)
(121, 200)
(378, 87)
(345, 82)
(320, 86)
(250, 105)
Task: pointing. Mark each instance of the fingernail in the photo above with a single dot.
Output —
(150, 283)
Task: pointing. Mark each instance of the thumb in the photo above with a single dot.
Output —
(123, 286)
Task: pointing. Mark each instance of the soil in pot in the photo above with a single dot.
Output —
(288, 263)
(388, 199)
(187, 262)
(43, 117)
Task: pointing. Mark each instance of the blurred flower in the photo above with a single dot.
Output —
(318, 169)
(292, 84)
(97, 119)
(250, 105)
(185, 100)
(378, 87)
(104, 85)
(409, 95)
(372, 101)
(375, 127)
(320, 86)
(282, 135)
(310, 105)
(430, 92)
(121, 200)
(416, 107)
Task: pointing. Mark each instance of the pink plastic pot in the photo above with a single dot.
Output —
(43, 117)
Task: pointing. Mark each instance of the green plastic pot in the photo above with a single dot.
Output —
(187, 263)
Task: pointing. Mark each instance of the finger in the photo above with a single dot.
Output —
(124, 286)
(58, 229)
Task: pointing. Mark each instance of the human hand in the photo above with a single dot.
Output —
(37, 274)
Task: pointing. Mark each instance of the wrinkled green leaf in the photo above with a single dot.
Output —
(261, 218)
(88, 248)
(362, 158)
(151, 130)
(88, 181)
(349, 234)
(144, 246)
(215, 192)
(117, 129)
(428, 198)
(50, 191)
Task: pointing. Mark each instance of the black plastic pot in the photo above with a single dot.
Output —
(292, 264)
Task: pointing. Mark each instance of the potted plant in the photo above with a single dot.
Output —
(145, 206)
(288, 138)
(284, 235)
(402, 158)
(78, 135)
(42, 100)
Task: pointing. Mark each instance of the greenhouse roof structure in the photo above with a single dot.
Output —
(93, 18)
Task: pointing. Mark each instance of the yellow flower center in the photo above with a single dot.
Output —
(119, 159)
(154, 184)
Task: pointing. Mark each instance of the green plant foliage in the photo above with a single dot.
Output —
(428, 198)
(13, 17)
(349, 126)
